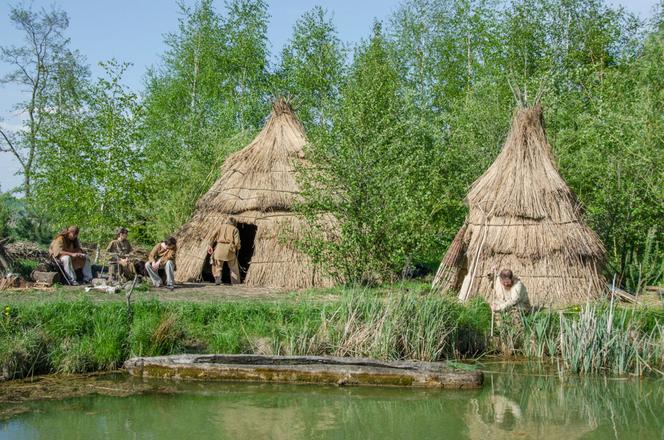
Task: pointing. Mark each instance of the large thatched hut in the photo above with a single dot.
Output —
(258, 187)
(523, 216)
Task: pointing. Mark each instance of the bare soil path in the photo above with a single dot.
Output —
(192, 292)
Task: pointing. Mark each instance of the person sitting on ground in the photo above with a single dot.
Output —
(66, 249)
(162, 256)
(121, 263)
(224, 246)
(509, 292)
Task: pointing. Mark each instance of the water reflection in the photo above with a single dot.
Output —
(513, 404)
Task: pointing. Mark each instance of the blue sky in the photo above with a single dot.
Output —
(134, 31)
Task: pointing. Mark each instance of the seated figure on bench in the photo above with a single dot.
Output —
(66, 249)
(162, 256)
(122, 263)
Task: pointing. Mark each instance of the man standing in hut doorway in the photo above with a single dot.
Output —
(224, 247)
(509, 292)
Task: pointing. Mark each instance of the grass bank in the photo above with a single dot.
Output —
(83, 336)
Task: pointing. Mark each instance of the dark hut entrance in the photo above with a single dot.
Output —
(206, 273)
(247, 237)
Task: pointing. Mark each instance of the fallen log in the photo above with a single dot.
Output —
(304, 369)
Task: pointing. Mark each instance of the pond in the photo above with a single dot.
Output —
(516, 402)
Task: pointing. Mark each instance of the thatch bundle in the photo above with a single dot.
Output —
(258, 187)
(523, 216)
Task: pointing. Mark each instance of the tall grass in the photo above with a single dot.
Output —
(595, 339)
(81, 336)
(403, 326)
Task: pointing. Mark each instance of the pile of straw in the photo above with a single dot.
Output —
(257, 186)
(523, 216)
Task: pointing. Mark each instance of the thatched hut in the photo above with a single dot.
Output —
(258, 187)
(523, 216)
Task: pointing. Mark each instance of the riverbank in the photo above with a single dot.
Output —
(60, 335)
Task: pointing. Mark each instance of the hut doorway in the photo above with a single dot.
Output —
(206, 272)
(247, 237)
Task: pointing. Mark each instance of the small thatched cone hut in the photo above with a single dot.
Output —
(258, 187)
(523, 216)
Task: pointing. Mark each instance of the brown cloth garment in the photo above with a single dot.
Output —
(227, 240)
(121, 249)
(162, 255)
(62, 243)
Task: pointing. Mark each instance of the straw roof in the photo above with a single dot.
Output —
(257, 186)
(523, 216)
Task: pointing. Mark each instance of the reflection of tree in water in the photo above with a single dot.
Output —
(548, 407)
(511, 405)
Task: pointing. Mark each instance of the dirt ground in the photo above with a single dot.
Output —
(192, 292)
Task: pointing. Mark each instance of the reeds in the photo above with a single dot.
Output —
(81, 336)
(598, 339)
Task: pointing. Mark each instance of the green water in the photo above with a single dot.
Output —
(512, 404)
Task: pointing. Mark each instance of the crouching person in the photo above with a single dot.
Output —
(161, 257)
(224, 246)
(121, 263)
(509, 291)
(66, 249)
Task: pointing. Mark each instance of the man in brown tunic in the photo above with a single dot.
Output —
(66, 248)
(224, 246)
(120, 250)
(162, 256)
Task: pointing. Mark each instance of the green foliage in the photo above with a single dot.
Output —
(396, 138)
(201, 104)
(371, 172)
(21, 222)
(155, 332)
(49, 71)
(646, 269)
(312, 69)
(94, 156)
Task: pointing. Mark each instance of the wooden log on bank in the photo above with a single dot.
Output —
(304, 369)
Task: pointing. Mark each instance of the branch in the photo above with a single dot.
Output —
(11, 149)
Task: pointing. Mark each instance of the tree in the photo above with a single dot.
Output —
(49, 71)
(312, 68)
(90, 166)
(370, 173)
(212, 85)
(246, 59)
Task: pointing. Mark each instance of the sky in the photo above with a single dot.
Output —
(134, 30)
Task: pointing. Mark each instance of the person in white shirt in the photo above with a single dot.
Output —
(509, 292)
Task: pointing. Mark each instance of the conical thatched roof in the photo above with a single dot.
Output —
(257, 186)
(261, 176)
(523, 216)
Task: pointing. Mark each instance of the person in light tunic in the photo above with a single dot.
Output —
(223, 247)
(509, 292)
